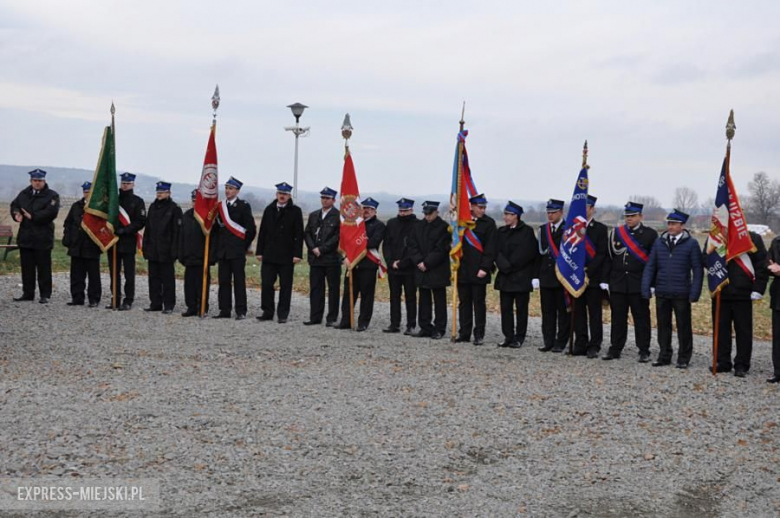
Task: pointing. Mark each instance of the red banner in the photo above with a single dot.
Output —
(352, 236)
(207, 196)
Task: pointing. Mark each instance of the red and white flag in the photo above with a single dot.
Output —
(207, 197)
(353, 241)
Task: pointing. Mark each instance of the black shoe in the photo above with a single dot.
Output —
(125, 307)
(740, 373)
(44, 300)
(391, 329)
(592, 353)
(644, 357)
(774, 379)
(361, 328)
(240, 316)
(23, 298)
(189, 313)
(330, 323)
(723, 368)
(436, 335)
(341, 325)
(479, 341)
(421, 334)
(546, 348)
(312, 322)
(167, 311)
(282, 320)
(515, 344)
(661, 363)
(610, 356)
(557, 349)
(109, 306)
(74, 303)
(505, 343)
(462, 339)
(223, 314)
(682, 365)
(93, 304)
(264, 317)
(409, 331)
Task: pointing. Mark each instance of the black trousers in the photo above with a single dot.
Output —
(776, 340)
(472, 311)
(397, 284)
(193, 287)
(640, 312)
(80, 270)
(682, 314)
(556, 321)
(232, 279)
(35, 263)
(429, 298)
(740, 314)
(364, 288)
(318, 275)
(125, 263)
(514, 304)
(588, 323)
(269, 272)
(162, 285)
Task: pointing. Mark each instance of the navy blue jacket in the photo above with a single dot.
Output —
(669, 271)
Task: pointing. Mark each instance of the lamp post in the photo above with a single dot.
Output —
(297, 111)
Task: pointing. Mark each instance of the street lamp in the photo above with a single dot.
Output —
(297, 111)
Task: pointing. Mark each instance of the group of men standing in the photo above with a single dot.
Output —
(625, 267)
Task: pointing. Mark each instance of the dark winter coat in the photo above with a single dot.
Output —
(430, 244)
(625, 270)
(192, 242)
(669, 270)
(375, 232)
(323, 234)
(473, 260)
(36, 233)
(280, 238)
(74, 237)
(396, 244)
(597, 267)
(136, 210)
(740, 285)
(518, 253)
(161, 237)
(774, 290)
(546, 265)
(229, 245)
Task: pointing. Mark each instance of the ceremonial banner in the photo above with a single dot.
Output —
(353, 241)
(101, 211)
(207, 196)
(462, 189)
(572, 254)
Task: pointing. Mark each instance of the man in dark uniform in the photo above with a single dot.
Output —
(736, 308)
(629, 251)
(588, 318)
(322, 240)
(192, 244)
(364, 273)
(279, 248)
(35, 209)
(516, 256)
(236, 230)
(774, 306)
(400, 267)
(161, 246)
(476, 265)
(429, 248)
(556, 321)
(84, 255)
(132, 218)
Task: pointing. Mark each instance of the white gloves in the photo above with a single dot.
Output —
(756, 296)
(652, 291)
(535, 283)
(604, 286)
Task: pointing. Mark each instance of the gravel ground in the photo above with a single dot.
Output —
(249, 418)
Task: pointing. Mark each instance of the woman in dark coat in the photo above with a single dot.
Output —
(516, 261)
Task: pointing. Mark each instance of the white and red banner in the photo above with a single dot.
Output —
(353, 242)
(207, 197)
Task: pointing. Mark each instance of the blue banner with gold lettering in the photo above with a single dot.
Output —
(570, 265)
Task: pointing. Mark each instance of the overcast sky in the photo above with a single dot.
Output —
(648, 84)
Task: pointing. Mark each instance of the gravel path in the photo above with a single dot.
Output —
(249, 418)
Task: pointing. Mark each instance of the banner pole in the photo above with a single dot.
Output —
(113, 277)
(351, 300)
(454, 334)
(205, 285)
(571, 325)
(715, 335)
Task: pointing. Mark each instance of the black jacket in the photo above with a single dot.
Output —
(375, 232)
(38, 232)
(281, 234)
(473, 260)
(516, 258)
(774, 290)
(161, 237)
(78, 242)
(546, 269)
(740, 286)
(396, 244)
(598, 266)
(430, 243)
(323, 234)
(624, 271)
(229, 245)
(192, 242)
(136, 210)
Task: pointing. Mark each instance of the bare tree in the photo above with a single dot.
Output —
(764, 199)
(685, 199)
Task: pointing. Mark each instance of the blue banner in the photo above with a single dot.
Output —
(716, 247)
(570, 265)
